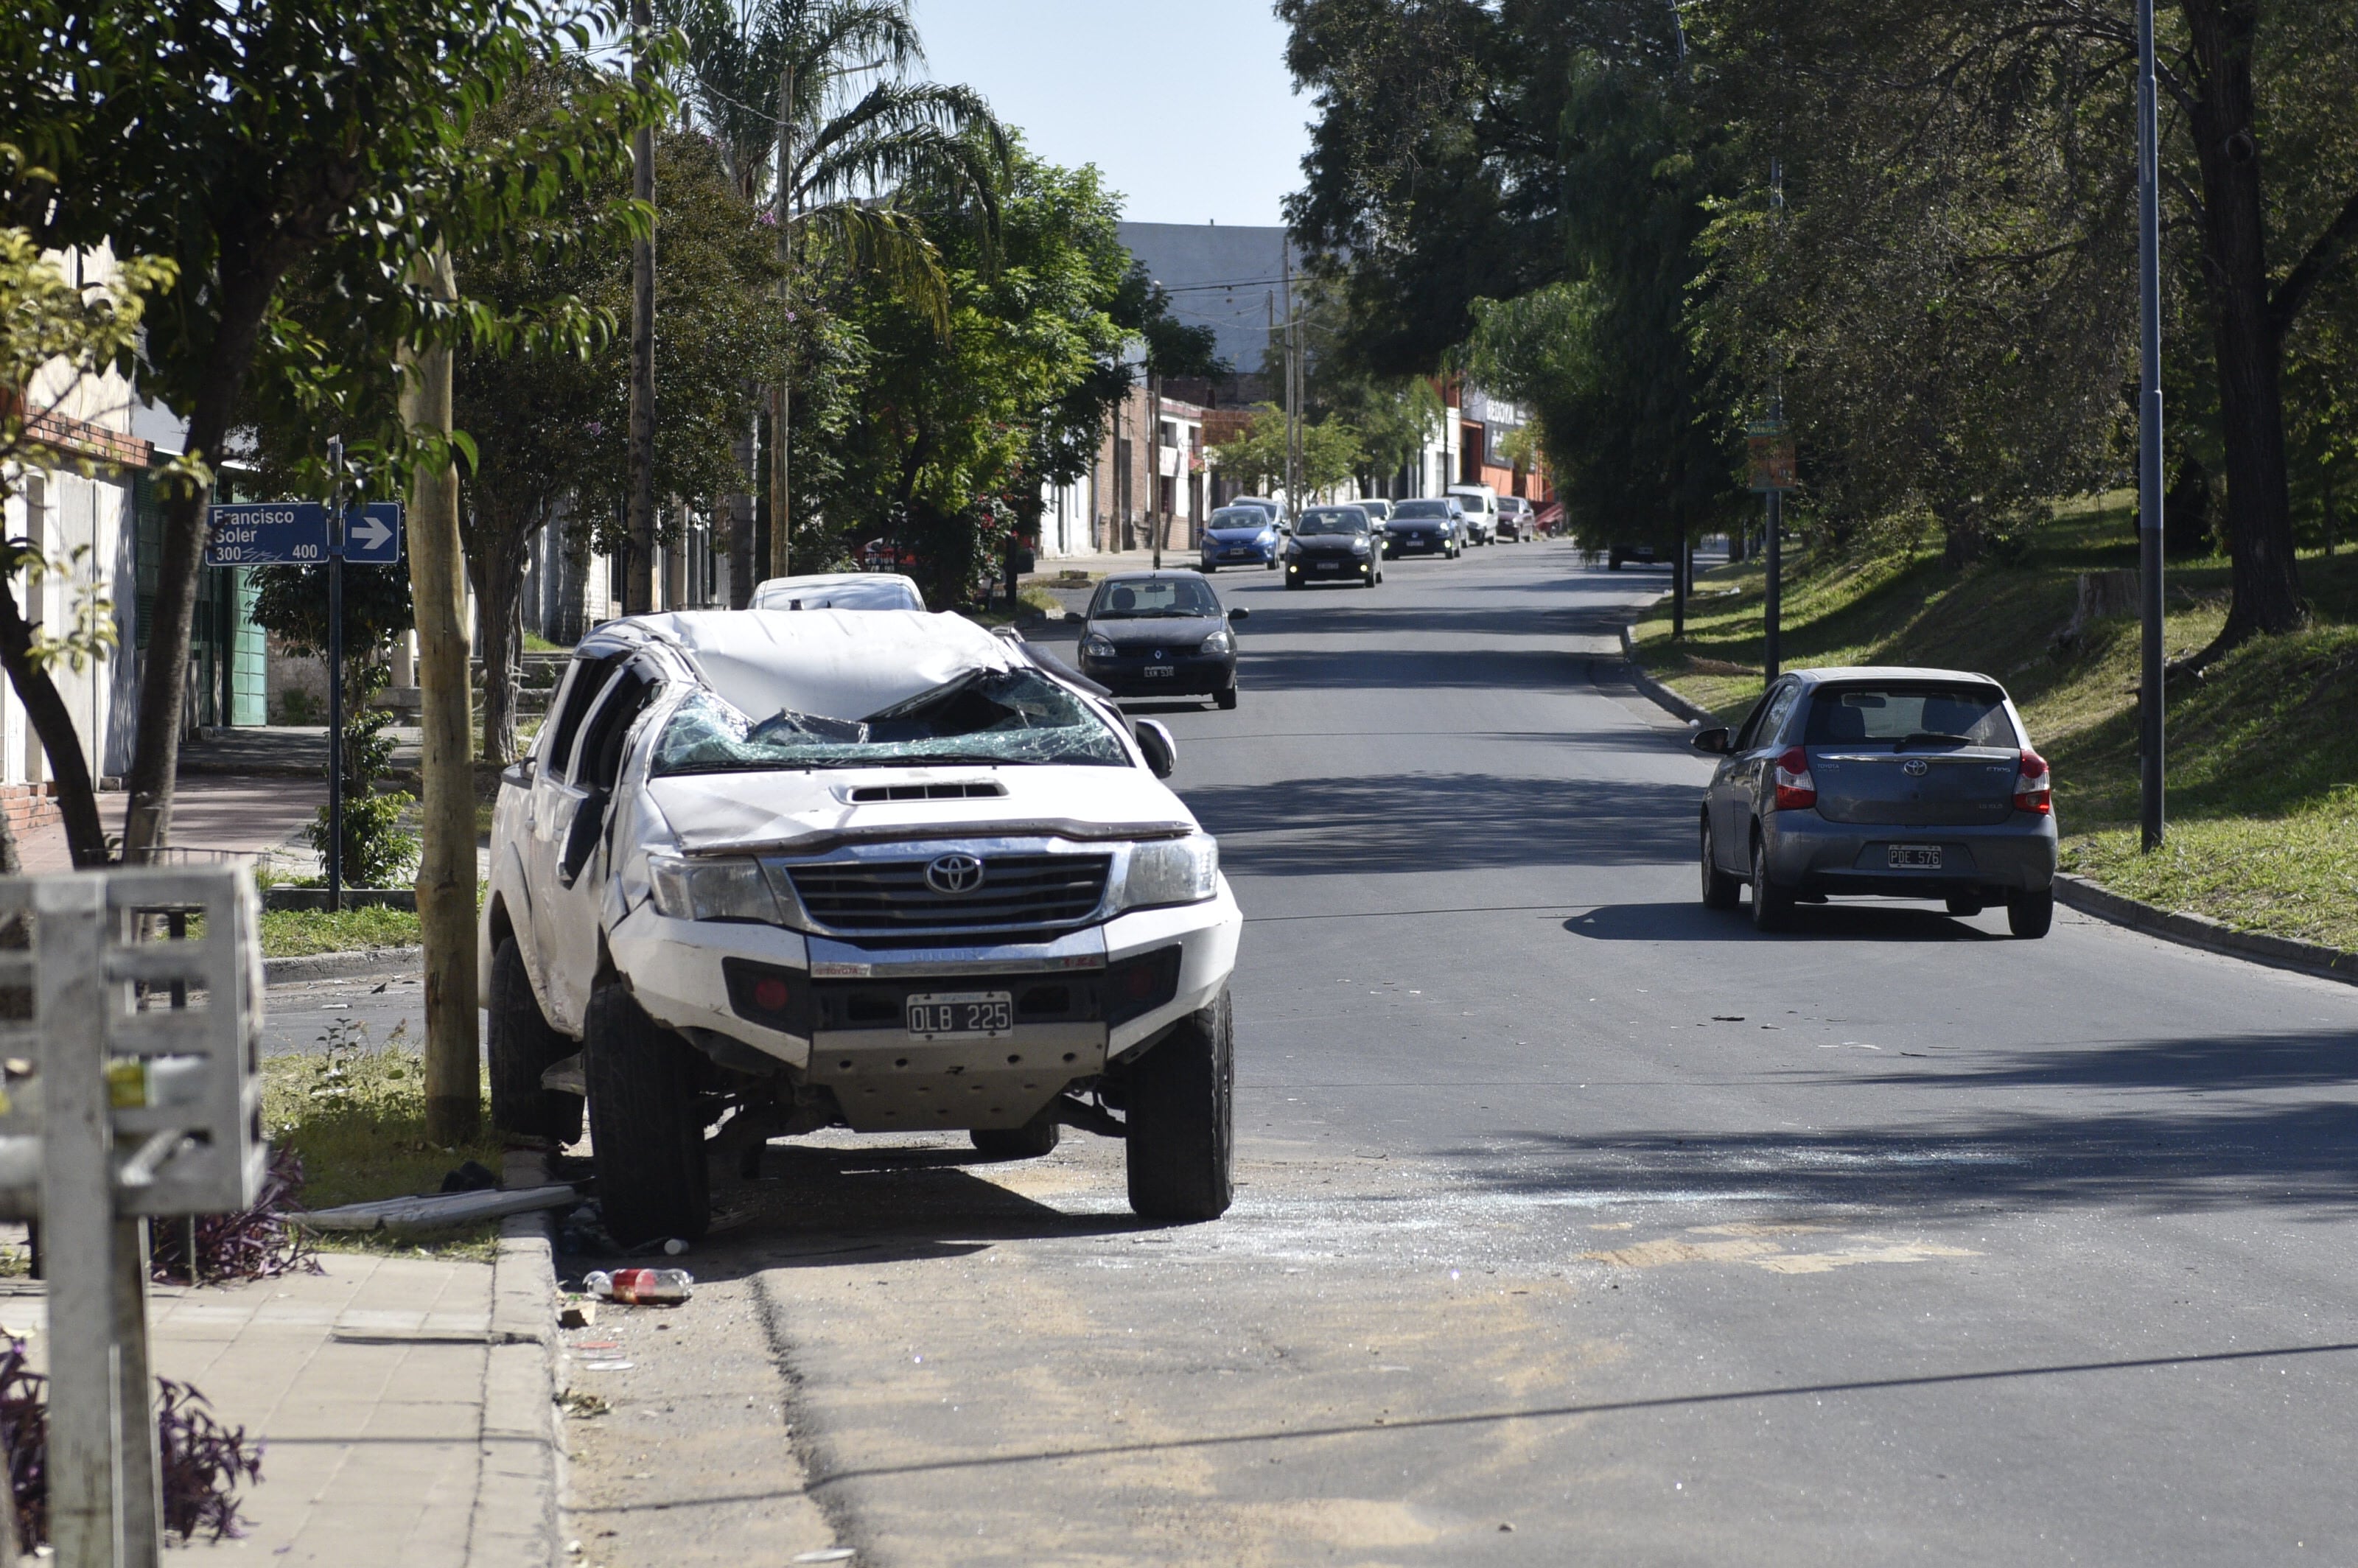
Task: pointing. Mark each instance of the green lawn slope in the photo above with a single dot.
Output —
(2262, 752)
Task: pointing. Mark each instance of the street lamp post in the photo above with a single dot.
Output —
(2149, 415)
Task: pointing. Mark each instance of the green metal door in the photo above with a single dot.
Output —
(249, 673)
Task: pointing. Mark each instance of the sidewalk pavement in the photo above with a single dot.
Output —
(246, 816)
(405, 1404)
(368, 1385)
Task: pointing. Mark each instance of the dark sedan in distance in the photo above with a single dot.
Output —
(1160, 634)
(1898, 782)
(1334, 543)
(1432, 527)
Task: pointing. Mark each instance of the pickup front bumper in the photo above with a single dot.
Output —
(835, 1013)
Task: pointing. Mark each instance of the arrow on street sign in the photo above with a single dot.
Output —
(372, 533)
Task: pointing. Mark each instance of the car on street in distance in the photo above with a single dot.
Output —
(1334, 543)
(1889, 781)
(1240, 537)
(1433, 526)
(1379, 510)
(1481, 504)
(838, 590)
(1276, 511)
(1617, 554)
(1517, 520)
(1160, 634)
(784, 871)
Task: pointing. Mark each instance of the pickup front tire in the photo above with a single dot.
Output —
(1180, 1100)
(645, 1125)
(522, 1047)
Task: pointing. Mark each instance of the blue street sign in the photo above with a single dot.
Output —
(295, 533)
(268, 532)
(372, 534)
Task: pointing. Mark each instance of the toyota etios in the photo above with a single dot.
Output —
(775, 872)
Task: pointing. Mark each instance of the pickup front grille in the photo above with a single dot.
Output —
(1018, 893)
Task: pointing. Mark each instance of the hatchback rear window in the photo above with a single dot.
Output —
(1930, 712)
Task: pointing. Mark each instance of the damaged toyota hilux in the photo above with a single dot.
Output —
(774, 871)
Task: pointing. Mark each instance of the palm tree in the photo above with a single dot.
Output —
(758, 66)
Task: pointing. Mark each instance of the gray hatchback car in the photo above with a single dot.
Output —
(1898, 782)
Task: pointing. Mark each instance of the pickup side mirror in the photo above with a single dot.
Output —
(518, 772)
(1713, 742)
(1074, 618)
(1161, 750)
(1240, 613)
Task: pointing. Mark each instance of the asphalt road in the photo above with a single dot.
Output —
(1578, 1224)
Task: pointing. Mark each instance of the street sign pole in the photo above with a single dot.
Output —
(2150, 413)
(335, 856)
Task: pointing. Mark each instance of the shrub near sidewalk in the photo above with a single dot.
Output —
(2262, 752)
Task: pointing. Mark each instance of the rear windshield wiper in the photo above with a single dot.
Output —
(1930, 736)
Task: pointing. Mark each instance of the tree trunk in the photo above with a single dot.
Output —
(85, 834)
(446, 870)
(2246, 341)
(497, 572)
(164, 674)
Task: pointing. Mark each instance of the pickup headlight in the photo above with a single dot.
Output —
(1096, 647)
(732, 889)
(1172, 871)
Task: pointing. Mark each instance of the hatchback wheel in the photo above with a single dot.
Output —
(2031, 914)
(1772, 906)
(1227, 698)
(1720, 890)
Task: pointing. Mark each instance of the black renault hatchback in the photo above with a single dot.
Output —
(1160, 634)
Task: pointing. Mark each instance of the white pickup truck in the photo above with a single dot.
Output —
(779, 870)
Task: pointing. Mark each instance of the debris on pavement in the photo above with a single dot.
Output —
(433, 1211)
(641, 1287)
(577, 1314)
(472, 1177)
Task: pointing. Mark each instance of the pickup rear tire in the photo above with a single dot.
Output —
(1036, 1137)
(522, 1047)
(644, 1124)
(2031, 914)
(1180, 1100)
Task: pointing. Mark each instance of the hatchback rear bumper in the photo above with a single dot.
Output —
(1808, 854)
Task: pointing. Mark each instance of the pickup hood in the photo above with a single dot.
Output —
(1183, 632)
(810, 811)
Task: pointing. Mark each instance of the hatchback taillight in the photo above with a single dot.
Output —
(1796, 790)
(2033, 786)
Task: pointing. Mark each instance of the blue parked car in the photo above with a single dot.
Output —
(1241, 536)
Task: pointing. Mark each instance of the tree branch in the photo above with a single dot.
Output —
(2292, 294)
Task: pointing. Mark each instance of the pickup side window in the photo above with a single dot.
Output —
(584, 679)
(598, 762)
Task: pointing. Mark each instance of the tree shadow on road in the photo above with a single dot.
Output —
(2128, 1125)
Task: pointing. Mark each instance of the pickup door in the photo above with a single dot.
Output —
(570, 800)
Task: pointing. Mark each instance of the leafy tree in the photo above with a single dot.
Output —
(1392, 416)
(243, 144)
(1331, 453)
(2014, 115)
(55, 338)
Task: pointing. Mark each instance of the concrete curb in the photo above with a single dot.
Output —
(1661, 693)
(2201, 931)
(514, 1524)
(367, 964)
(2078, 893)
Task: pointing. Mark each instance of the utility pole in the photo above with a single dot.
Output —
(446, 867)
(782, 419)
(1773, 612)
(1293, 476)
(336, 673)
(639, 526)
(1155, 519)
(2149, 412)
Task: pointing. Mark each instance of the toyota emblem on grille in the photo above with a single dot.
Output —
(1915, 771)
(954, 875)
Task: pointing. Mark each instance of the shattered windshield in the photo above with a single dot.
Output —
(983, 716)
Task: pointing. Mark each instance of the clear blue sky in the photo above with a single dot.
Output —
(1188, 109)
